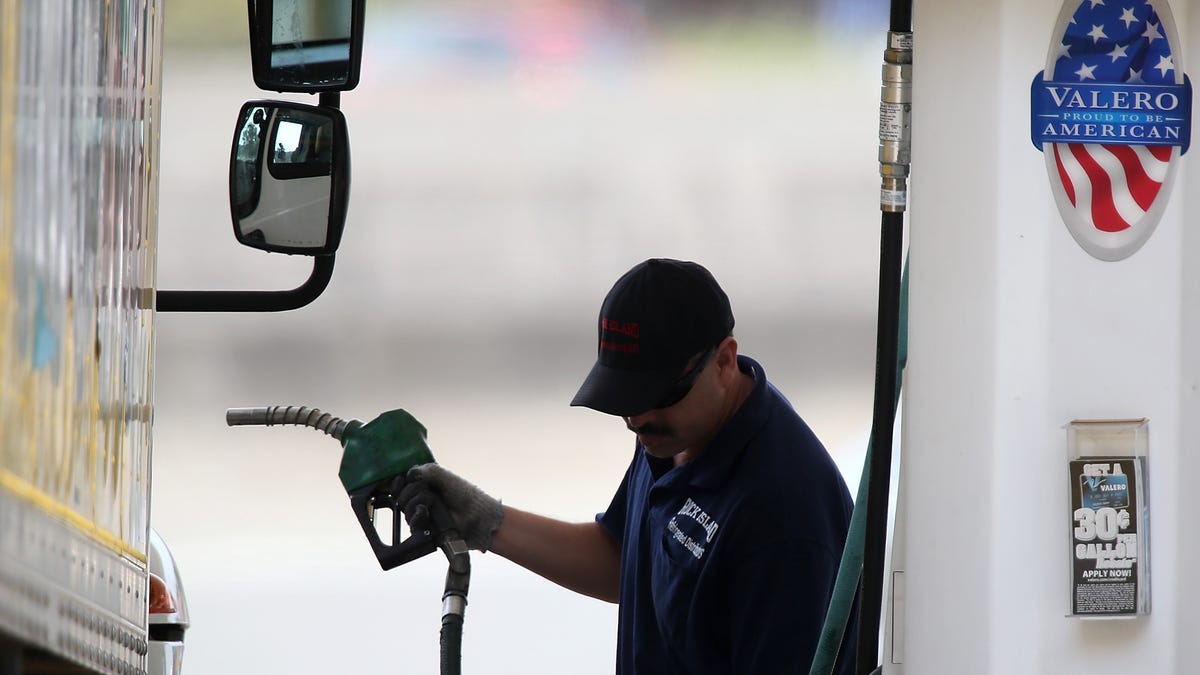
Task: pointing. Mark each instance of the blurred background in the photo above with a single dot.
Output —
(511, 158)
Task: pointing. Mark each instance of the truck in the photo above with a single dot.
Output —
(78, 162)
(86, 585)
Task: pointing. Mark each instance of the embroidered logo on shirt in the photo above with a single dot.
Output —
(691, 510)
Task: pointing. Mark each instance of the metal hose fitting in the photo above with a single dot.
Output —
(895, 114)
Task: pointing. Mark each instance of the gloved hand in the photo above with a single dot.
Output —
(476, 514)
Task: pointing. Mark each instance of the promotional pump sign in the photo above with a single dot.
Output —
(1106, 524)
(1112, 115)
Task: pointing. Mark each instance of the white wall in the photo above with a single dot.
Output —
(1014, 332)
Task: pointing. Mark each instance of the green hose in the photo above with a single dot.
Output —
(850, 570)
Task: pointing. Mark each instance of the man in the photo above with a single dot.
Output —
(723, 541)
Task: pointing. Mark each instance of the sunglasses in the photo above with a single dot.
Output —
(683, 386)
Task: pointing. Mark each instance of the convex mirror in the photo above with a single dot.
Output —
(289, 177)
(306, 45)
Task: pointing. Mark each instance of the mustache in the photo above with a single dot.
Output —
(651, 429)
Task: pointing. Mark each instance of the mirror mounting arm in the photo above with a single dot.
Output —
(330, 99)
(250, 301)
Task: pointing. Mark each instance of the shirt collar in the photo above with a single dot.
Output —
(714, 464)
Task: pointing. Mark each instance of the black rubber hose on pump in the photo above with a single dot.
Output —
(894, 110)
(454, 601)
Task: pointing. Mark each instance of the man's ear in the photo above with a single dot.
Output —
(726, 359)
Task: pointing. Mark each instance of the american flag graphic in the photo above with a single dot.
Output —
(1112, 187)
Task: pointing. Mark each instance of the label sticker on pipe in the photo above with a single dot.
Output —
(1112, 115)
(894, 121)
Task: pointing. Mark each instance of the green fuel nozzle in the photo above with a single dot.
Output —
(375, 458)
(387, 446)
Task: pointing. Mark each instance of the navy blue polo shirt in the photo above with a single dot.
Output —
(728, 562)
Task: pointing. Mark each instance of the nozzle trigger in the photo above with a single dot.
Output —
(382, 494)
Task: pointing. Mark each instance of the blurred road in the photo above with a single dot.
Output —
(490, 212)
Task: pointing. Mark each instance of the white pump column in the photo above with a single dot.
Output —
(1015, 331)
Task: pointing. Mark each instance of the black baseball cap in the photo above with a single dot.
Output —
(656, 318)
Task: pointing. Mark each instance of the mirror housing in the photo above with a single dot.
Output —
(289, 177)
(306, 45)
(289, 185)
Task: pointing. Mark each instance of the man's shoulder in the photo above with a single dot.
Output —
(785, 436)
(785, 466)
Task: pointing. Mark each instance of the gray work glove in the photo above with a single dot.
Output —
(476, 514)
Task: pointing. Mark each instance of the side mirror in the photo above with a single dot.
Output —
(306, 45)
(289, 177)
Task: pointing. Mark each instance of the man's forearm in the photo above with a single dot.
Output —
(579, 556)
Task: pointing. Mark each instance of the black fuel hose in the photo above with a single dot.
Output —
(454, 601)
(895, 110)
(452, 630)
(900, 16)
(458, 581)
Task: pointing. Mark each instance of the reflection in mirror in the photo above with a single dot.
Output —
(306, 45)
(289, 177)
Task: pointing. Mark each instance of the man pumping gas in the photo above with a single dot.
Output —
(723, 540)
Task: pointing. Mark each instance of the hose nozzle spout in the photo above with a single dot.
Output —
(292, 414)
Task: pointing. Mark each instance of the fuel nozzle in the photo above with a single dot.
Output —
(375, 458)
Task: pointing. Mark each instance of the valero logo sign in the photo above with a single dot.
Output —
(1112, 115)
